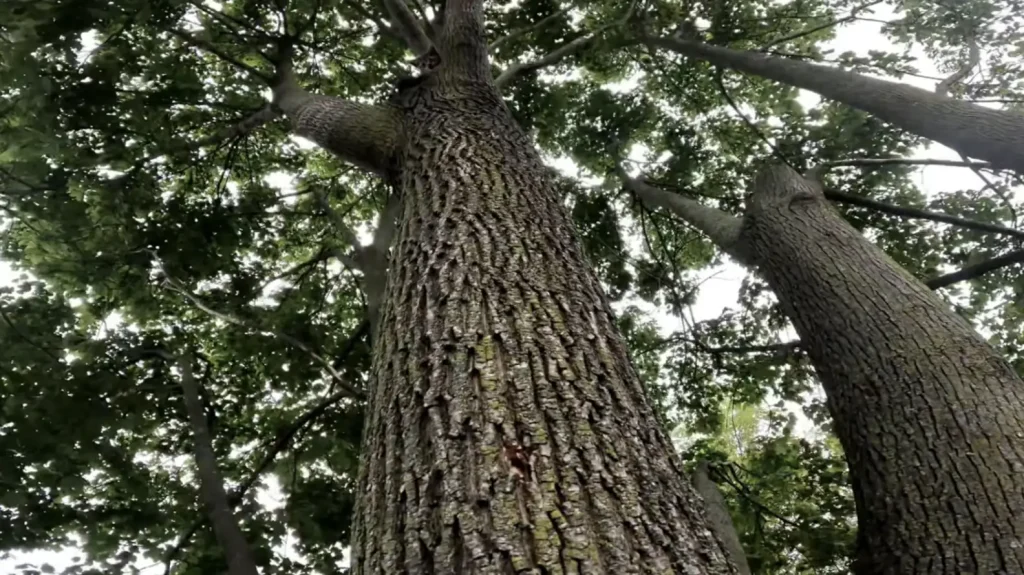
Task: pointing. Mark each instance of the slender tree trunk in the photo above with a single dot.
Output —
(507, 430)
(996, 136)
(931, 416)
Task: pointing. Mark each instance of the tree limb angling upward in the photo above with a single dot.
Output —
(208, 47)
(973, 58)
(807, 32)
(718, 516)
(906, 162)
(364, 135)
(409, 27)
(560, 53)
(279, 445)
(520, 32)
(723, 229)
(845, 198)
(977, 270)
(225, 526)
(293, 341)
(996, 136)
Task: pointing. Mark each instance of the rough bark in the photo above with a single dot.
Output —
(507, 430)
(365, 135)
(931, 417)
(996, 136)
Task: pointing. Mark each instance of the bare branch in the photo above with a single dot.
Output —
(722, 228)
(211, 484)
(808, 31)
(906, 162)
(279, 445)
(973, 57)
(977, 270)
(409, 27)
(560, 53)
(520, 32)
(294, 342)
(906, 212)
(717, 513)
(347, 233)
(374, 260)
(209, 47)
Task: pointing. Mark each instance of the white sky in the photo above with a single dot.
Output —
(718, 292)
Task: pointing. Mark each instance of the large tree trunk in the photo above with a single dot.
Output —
(975, 131)
(507, 431)
(931, 416)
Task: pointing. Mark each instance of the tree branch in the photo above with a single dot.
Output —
(211, 484)
(520, 32)
(993, 135)
(906, 162)
(977, 270)
(279, 445)
(722, 228)
(294, 342)
(365, 135)
(409, 27)
(209, 47)
(808, 31)
(374, 260)
(718, 517)
(560, 53)
(845, 198)
(973, 57)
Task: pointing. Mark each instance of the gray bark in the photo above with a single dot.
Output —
(719, 518)
(931, 417)
(507, 431)
(996, 136)
(211, 484)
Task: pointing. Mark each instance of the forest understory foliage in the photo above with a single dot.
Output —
(225, 227)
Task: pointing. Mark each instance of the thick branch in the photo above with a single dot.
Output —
(211, 484)
(722, 228)
(977, 270)
(294, 342)
(996, 136)
(718, 517)
(520, 32)
(844, 198)
(362, 134)
(409, 27)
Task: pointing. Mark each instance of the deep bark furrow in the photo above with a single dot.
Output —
(930, 416)
(526, 443)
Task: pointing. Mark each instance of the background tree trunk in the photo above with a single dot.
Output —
(507, 430)
(931, 416)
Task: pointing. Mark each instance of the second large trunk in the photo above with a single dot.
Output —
(931, 416)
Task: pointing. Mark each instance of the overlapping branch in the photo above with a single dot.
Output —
(558, 54)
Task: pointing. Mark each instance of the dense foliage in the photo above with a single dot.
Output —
(133, 215)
